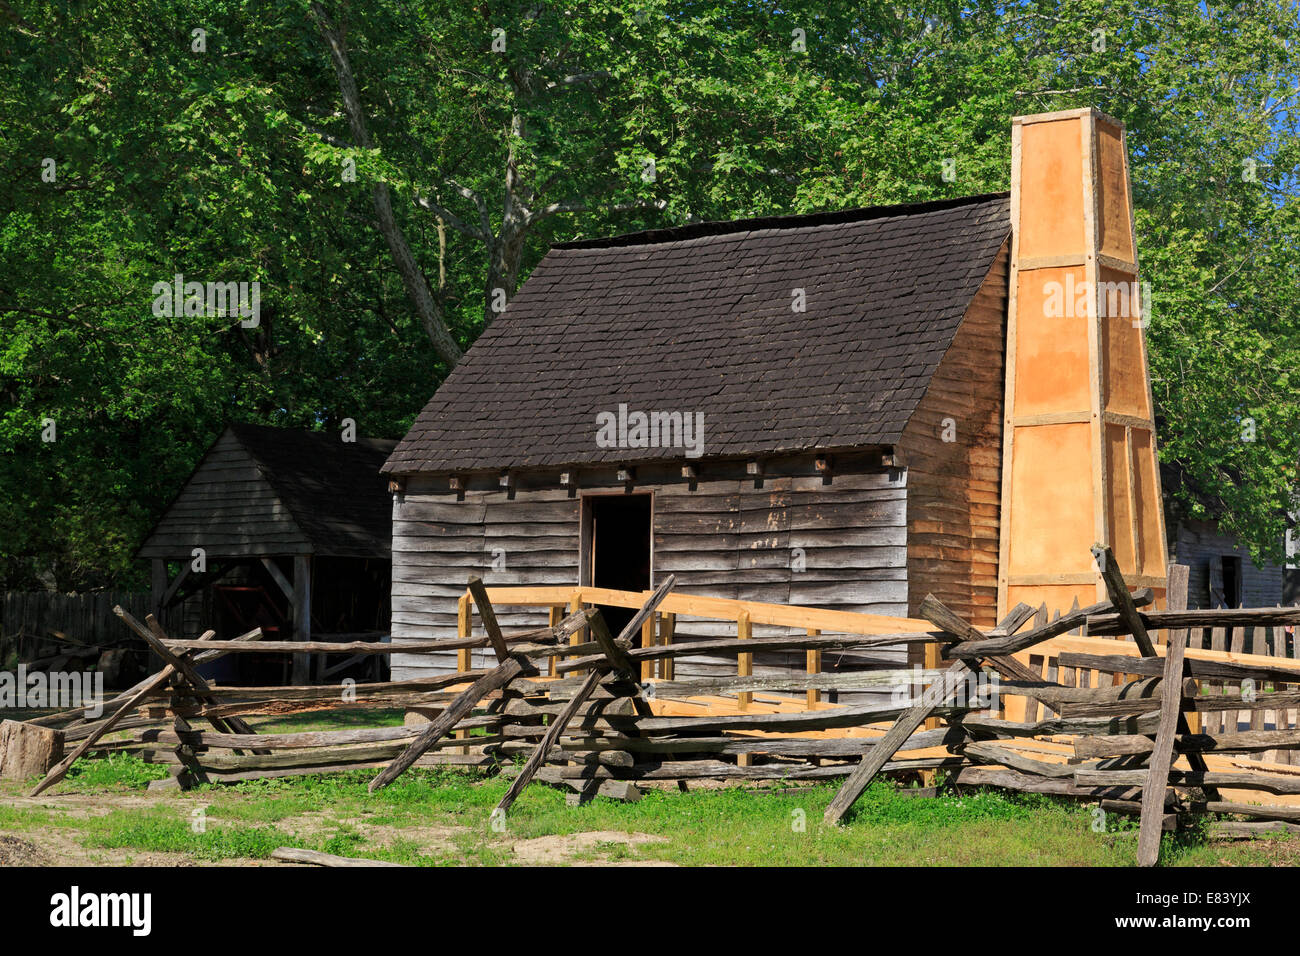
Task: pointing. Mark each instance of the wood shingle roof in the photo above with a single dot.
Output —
(262, 491)
(700, 319)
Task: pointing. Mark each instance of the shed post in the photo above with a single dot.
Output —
(157, 593)
(301, 615)
(158, 586)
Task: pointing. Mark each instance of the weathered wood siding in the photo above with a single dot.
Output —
(439, 541)
(790, 537)
(227, 508)
(1198, 543)
(953, 451)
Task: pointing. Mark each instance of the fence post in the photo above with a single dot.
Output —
(580, 635)
(553, 618)
(814, 664)
(667, 625)
(744, 662)
(648, 640)
(464, 655)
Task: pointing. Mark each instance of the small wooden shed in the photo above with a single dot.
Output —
(283, 529)
(848, 410)
(847, 373)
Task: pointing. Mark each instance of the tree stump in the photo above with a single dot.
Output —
(26, 750)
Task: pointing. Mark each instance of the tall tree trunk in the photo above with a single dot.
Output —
(413, 279)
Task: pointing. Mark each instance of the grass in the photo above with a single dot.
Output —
(443, 817)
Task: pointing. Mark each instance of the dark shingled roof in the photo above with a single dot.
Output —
(332, 488)
(262, 491)
(699, 319)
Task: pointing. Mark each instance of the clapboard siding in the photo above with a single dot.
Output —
(1197, 543)
(228, 508)
(953, 451)
(786, 539)
(439, 541)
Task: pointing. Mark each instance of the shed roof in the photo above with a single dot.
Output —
(701, 319)
(261, 491)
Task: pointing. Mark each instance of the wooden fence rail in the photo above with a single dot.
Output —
(1158, 720)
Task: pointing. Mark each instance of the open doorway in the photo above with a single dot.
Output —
(616, 532)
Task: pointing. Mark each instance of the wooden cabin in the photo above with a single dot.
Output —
(807, 409)
(283, 529)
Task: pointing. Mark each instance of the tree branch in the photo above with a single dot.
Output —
(413, 279)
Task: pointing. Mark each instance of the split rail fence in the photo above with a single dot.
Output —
(1030, 705)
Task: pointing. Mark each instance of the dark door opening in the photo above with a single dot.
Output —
(1232, 581)
(619, 530)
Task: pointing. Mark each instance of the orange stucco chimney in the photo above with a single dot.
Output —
(1079, 449)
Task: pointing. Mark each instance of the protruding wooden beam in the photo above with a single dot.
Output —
(451, 715)
(1117, 590)
(615, 652)
(489, 618)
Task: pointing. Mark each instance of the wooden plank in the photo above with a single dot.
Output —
(1229, 742)
(301, 606)
(1196, 667)
(1109, 625)
(1122, 600)
(667, 630)
(290, 854)
(615, 653)
(1063, 624)
(1242, 780)
(744, 662)
(648, 640)
(153, 635)
(813, 666)
(278, 577)
(489, 617)
(1153, 790)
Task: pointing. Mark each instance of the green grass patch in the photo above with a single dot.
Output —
(119, 771)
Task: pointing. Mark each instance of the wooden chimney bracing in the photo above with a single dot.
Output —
(1079, 452)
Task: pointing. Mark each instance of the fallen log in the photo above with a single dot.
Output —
(291, 854)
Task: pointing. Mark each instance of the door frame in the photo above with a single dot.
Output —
(586, 539)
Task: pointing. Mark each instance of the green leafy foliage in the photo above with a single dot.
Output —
(228, 164)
